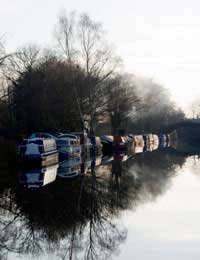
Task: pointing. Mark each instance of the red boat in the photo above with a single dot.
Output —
(119, 143)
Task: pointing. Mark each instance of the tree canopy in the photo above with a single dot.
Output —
(78, 84)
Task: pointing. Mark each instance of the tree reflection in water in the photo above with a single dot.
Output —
(79, 219)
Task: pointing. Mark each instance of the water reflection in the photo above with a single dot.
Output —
(70, 168)
(38, 177)
(76, 214)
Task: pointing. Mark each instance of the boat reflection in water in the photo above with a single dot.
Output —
(79, 166)
(38, 177)
(70, 168)
(74, 210)
(78, 212)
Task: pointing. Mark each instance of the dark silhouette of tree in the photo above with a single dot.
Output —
(46, 92)
(121, 101)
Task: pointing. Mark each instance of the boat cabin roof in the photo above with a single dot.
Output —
(71, 136)
(41, 135)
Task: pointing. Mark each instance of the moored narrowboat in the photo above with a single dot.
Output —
(139, 144)
(97, 146)
(38, 151)
(85, 143)
(162, 140)
(119, 143)
(68, 145)
(107, 142)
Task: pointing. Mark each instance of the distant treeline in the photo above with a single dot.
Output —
(78, 84)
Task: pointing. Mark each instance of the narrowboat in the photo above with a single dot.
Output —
(51, 135)
(139, 143)
(139, 140)
(130, 138)
(97, 146)
(130, 144)
(85, 143)
(107, 142)
(39, 151)
(162, 141)
(119, 143)
(152, 142)
(68, 145)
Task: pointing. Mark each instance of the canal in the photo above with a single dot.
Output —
(144, 206)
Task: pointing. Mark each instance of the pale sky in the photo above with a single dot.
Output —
(155, 38)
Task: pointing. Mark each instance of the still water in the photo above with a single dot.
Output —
(143, 207)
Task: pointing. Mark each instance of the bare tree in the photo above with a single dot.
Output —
(16, 64)
(3, 54)
(83, 42)
(21, 61)
(13, 65)
(3, 58)
(122, 99)
(98, 61)
(96, 55)
(65, 34)
(4, 88)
